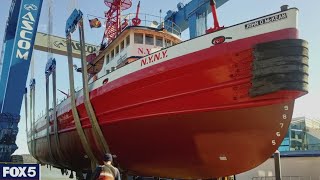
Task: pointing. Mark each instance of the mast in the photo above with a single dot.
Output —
(113, 18)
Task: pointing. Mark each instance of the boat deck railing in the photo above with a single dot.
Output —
(153, 21)
(285, 178)
(77, 89)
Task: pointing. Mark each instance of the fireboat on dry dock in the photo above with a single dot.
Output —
(223, 100)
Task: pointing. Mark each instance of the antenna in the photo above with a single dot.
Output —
(160, 16)
(113, 21)
(136, 21)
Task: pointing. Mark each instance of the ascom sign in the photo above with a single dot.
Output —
(24, 43)
(26, 29)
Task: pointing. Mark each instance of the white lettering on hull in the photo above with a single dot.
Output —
(267, 20)
(154, 57)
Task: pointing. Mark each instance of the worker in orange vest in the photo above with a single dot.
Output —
(108, 171)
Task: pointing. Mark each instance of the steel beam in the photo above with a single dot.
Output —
(277, 165)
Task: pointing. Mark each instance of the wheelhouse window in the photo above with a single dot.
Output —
(149, 39)
(107, 59)
(159, 41)
(112, 54)
(122, 45)
(168, 43)
(138, 38)
(117, 50)
(128, 40)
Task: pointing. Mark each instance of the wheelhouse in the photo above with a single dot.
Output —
(133, 43)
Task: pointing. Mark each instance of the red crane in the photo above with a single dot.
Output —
(113, 17)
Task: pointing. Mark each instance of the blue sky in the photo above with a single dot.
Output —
(234, 11)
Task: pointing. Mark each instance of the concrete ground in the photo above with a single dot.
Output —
(46, 172)
(53, 174)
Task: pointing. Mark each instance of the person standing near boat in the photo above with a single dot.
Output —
(107, 171)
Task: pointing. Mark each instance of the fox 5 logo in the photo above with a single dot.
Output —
(20, 171)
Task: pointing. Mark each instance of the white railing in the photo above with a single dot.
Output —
(152, 21)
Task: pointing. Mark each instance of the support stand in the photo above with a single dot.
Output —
(277, 165)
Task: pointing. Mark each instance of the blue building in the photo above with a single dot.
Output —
(303, 135)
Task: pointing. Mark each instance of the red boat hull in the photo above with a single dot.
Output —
(164, 146)
(190, 117)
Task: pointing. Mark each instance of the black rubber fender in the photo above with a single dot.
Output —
(280, 65)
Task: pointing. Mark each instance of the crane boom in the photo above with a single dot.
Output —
(18, 43)
(58, 45)
(192, 15)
